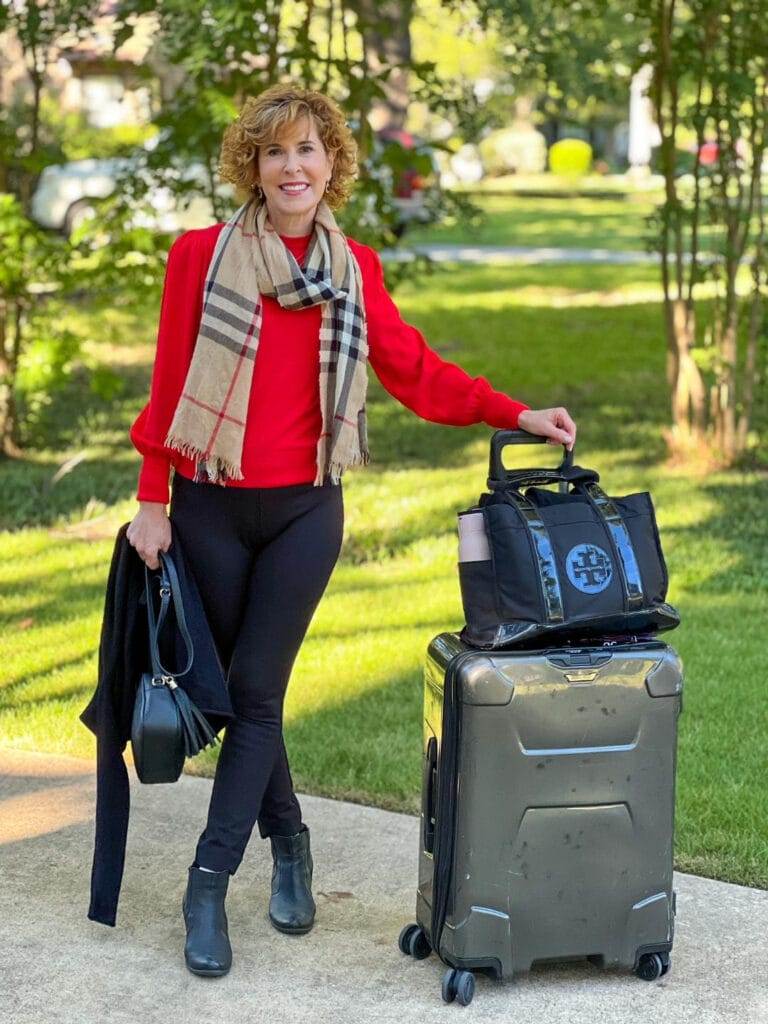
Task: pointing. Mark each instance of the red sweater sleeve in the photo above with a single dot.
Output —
(416, 375)
(180, 312)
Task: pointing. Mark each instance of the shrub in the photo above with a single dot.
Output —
(570, 157)
(513, 150)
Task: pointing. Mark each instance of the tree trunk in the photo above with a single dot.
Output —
(386, 30)
(274, 11)
(28, 177)
(9, 415)
(688, 393)
(754, 326)
(687, 390)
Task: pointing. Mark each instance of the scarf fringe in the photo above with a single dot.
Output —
(220, 468)
(336, 467)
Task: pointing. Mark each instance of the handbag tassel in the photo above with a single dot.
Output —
(197, 731)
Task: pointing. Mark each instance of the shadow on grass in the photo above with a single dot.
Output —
(12, 686)
(546, 222)
(74, 597)
(366, 749)
(737, 529)
(28, 499)
(579, 370)
(430, 626)
(576, 277)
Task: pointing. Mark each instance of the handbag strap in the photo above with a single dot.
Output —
(620, 540)
(170, 590)
(516, 478)
(618, 536)
(545, 555)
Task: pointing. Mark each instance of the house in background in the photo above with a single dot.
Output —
(111, 88)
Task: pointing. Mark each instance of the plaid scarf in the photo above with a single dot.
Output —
(251, 260)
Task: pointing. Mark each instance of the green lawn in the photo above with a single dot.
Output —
(564, 222)
(588, 337)
(545, 183)
(568, 222)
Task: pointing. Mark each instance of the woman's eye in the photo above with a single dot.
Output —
(308, 149)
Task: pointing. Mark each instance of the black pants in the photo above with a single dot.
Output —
(262, 558)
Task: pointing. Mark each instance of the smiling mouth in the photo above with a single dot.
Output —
(293, 190)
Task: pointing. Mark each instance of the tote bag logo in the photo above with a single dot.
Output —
(589, 568)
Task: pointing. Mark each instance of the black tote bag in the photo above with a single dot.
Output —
(561, 565)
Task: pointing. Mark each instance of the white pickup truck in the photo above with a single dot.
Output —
(66, 193)
(65, 196)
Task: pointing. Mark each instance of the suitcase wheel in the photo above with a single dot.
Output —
(458, 985)
(414, 942)
(652, 966)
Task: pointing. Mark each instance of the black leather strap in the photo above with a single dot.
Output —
(545, 555)
(616, 530)
(525, 477)
(621, 541)
(170, 590)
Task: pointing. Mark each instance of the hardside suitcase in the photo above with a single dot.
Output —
(547, 816)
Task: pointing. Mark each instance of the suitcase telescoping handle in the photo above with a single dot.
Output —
(500, 478)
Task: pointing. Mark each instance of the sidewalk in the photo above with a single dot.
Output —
(60, 967)
(517, 254)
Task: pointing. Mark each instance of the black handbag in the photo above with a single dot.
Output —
(561, 565)
(166, 726)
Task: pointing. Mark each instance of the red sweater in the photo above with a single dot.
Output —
(284, 420)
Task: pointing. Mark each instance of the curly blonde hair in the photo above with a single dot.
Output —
(262, 119)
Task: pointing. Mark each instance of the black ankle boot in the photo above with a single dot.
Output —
(207, 950)
(291, 908)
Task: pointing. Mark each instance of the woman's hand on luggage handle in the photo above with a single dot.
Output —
(554, 424)
(149, 532)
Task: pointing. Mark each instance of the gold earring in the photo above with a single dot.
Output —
(256, 189)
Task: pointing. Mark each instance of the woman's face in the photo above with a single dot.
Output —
(296, 158)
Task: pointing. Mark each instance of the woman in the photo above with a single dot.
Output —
(258, 401)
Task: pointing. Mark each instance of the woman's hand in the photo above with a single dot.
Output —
(149, 532)
(554, 424)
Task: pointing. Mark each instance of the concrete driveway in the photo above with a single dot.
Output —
(60, 967)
